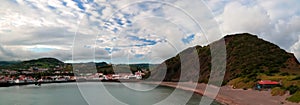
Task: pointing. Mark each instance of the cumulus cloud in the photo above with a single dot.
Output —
(252, 19)
(274, 21)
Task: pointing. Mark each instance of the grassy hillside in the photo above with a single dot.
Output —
(7, 63)
(248, 57)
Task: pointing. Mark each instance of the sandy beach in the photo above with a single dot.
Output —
(230, 96)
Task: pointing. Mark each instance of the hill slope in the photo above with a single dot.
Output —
(40, 63)
(247, 56)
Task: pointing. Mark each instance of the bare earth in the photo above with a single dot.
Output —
(230, 96)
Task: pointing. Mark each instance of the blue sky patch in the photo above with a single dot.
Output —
(64, 3)
(110, 50)
(119, 21)
(138, 55)
(51, 7)
(146, 41)
(41, 50)
(188, 39)
(79, 4)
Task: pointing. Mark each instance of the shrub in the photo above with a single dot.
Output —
(293, 89)
(268, 73)
(277, 91)
(286, 83)
(295, 97)
(284, 74)
(274, 70)
(297, 78)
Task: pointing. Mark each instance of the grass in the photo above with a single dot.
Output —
(286, 83)
(277, 91)
(240, 84)
(295, 97)
(276, 77)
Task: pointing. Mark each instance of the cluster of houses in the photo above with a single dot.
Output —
(29, 79)
(13, 72)
(118, 76)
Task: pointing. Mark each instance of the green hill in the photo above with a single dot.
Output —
(39, 63)
(248, 57)
(7, 63)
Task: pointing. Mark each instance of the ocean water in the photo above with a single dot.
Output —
(92, 93)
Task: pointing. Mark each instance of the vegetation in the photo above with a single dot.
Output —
(277, 91)
(241, 83)
(248, 57)
(276, 77)
(295, 97)
(293, 89)
(36, 63)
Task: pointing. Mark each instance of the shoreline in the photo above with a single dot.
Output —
(7, 84)
(229, 96)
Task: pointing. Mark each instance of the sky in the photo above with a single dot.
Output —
(122, 31)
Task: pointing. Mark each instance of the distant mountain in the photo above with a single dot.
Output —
(38, 63)
(88, 67)
(247, 56)
(7, 63)
(101, 64)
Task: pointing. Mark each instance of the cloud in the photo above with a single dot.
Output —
(274, 21)
(241, 18)
(5, 52)
(136, 30)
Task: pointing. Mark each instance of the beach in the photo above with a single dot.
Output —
(230, 96)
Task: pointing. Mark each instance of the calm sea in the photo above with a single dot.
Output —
(92, 93)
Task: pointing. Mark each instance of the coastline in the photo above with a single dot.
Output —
(229, 96)
(7, 84)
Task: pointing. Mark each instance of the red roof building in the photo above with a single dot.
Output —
(268, 82)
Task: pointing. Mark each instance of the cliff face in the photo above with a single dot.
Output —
(247, 56)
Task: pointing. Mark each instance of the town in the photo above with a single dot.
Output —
(35, 75)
